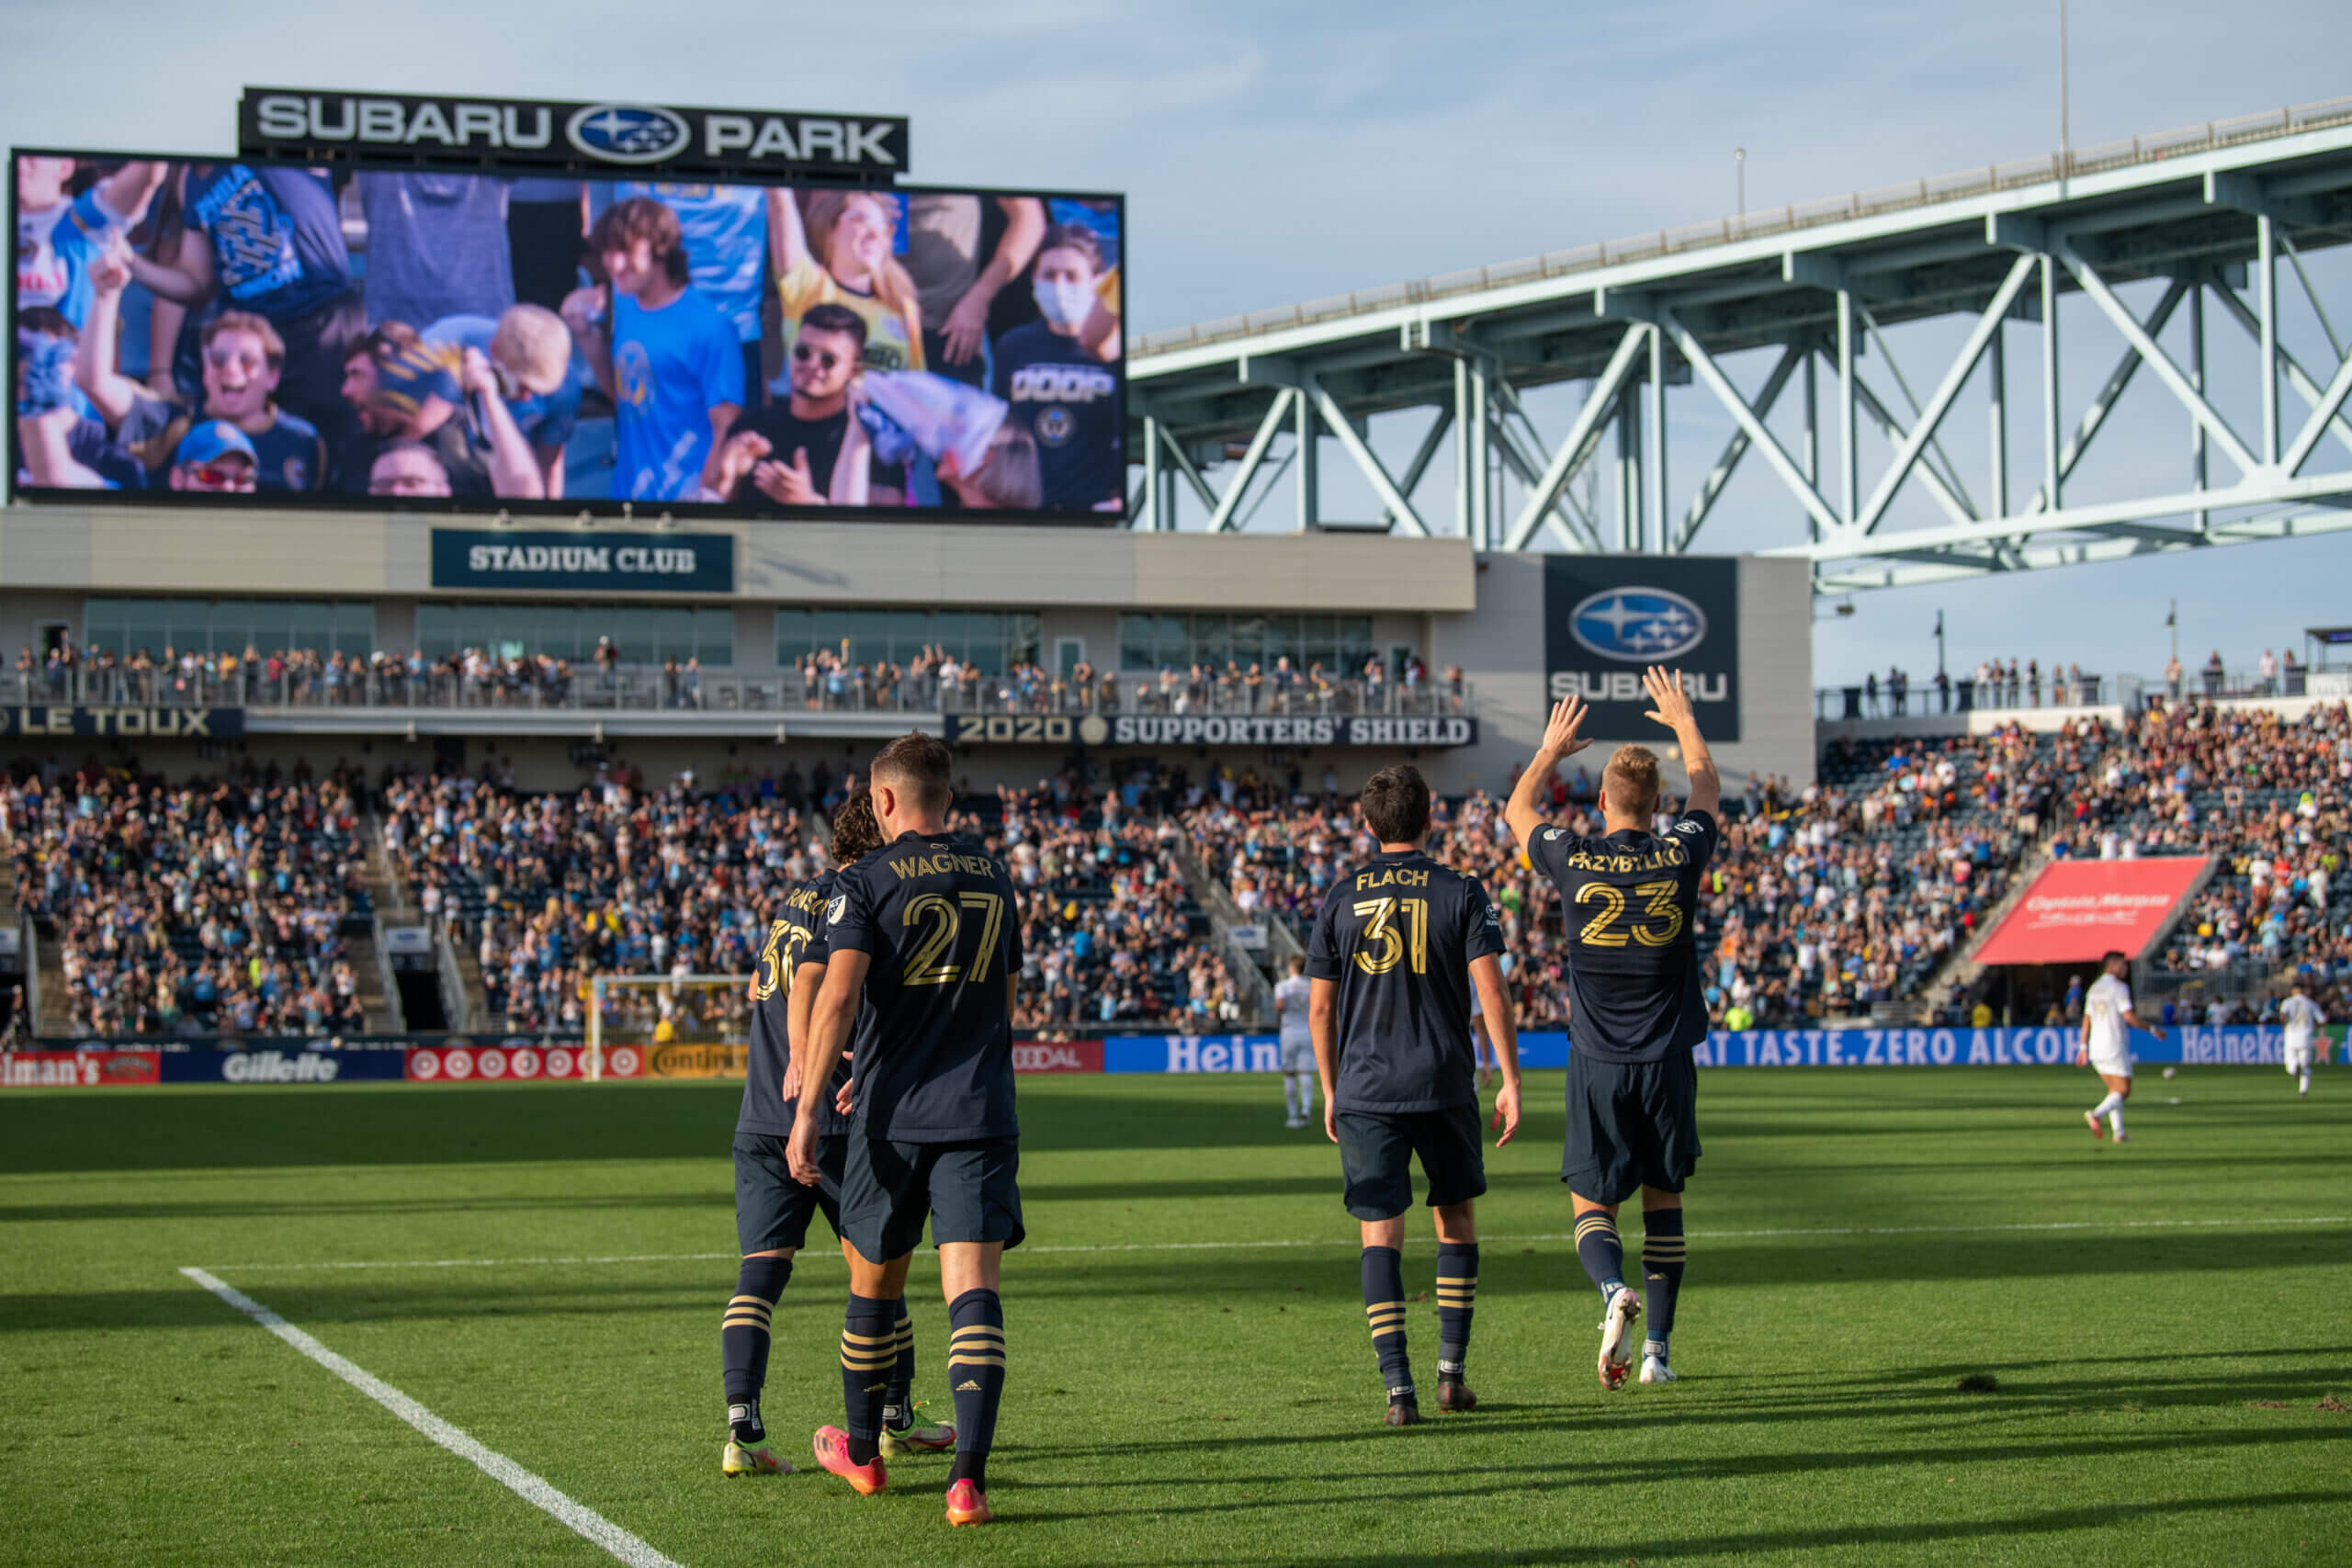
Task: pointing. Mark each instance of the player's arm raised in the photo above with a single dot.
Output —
(829, 1024)
(1561, 740)
(1502, 1029)
(1670, 706)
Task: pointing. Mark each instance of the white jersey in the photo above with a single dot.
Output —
(2300, 1016)
(1292, 991)
(2108, 1000)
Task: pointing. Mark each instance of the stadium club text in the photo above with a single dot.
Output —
(1207, 730)
(561, 561)
(290, 122)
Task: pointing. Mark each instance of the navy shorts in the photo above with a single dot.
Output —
(771, 1210)
(1377, 1149)
(968, 1191)
(1630, 1125)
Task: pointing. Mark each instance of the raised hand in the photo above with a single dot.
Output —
(1669, 704)
(1560, 732)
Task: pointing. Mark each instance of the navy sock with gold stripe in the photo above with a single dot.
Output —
(1457, 1298)
(869, 1349)
(1662, 1259)
(1597, 1249)
(897, 1398)
(976, 1373)
(1384, 1309)
(743, 1341)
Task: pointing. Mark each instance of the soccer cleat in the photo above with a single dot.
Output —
(831, 1446)
(2099, 1128)
(1655, 1369)
(750, 1459)
(916, 1438)
(1453, 1394)
(1295, 1122)
(968, 1504)
(2122, 1138)
(1617, 1320)
(1403, 1413)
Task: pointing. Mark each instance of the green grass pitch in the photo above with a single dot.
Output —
(2171, 1351)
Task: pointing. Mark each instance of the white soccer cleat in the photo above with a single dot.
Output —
(1617, 1320)
(1295, 1122)
(1655, 1369)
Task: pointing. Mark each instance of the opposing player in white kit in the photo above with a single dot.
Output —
(2107, 1014)
(2302, 1018)
(1291, 993)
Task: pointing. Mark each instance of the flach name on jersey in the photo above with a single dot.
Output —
(1391, 876)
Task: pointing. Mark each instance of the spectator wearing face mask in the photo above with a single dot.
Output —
(1063, 393)
(841, 254)
(243, 360)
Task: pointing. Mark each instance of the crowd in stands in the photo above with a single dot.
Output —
(194, 909)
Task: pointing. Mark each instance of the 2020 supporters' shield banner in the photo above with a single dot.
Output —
(1607, 617)
(483, 339)
(2076, 910)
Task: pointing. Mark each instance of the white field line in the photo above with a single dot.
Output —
(584, 1522)
(818, 1254)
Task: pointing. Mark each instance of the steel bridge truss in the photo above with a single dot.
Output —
(2225, 231)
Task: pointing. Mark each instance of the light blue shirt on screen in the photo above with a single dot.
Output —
(670, 367)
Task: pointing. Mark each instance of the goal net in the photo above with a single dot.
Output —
(660, 1026)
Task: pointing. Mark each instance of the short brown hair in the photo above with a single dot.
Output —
(1630, 781)
(273, 347)
(919, 766)
(1395, 804)
(642, 217)
(855, 832)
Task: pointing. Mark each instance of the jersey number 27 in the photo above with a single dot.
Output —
(942, 919)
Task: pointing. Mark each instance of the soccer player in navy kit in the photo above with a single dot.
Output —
(1397, 948)
(772, 1209)
(1627, 900)
(926, 935)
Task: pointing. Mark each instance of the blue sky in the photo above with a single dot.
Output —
(1274, 152)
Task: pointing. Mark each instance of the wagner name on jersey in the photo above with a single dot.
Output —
(795, 937)
(933, 1048)
(1628, 900)
(1398, 936)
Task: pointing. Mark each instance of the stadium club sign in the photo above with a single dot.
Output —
(1607, 617)
(571, 562)
(300, 124)
(1207, 730)
(119, 723)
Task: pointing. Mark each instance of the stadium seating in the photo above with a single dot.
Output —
(223, 906)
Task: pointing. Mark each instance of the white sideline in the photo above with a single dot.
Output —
(584, 1522)
(818, 1254)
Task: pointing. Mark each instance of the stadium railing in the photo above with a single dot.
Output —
(1970, 696)
(648, 689)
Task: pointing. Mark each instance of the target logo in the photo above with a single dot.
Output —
(624, 1061)
(523, 1064)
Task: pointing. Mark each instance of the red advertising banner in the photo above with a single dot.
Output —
(514, 1064)
(78, 1069)
(2076, 910)
(1057, 1056)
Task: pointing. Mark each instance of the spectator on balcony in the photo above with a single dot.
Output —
(2213, 674)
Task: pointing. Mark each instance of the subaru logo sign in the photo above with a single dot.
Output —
(628, 133)
(1641, 625)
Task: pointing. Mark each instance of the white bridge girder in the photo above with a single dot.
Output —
(1225, 420)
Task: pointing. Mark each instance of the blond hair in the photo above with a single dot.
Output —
(1630, 781)
(891, 284)
(534, 346)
